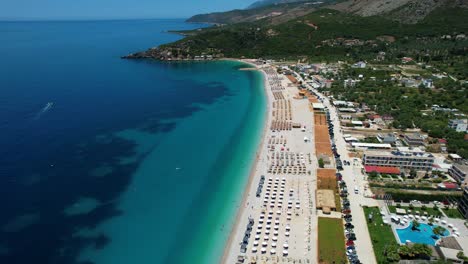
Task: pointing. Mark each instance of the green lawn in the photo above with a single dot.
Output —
(331, 240)
(381, 235)
(430, 211)
(453, 213)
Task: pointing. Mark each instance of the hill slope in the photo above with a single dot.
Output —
(278, 13)
(407, 11)
(263, 3)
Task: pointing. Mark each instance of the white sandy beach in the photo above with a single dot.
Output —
(283, 227)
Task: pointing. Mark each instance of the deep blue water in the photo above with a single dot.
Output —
(104, 160)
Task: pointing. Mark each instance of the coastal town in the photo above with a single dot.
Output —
(336, 182)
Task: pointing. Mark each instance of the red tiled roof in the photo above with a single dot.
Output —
(381, 169)
(442, 141)
(450, 185)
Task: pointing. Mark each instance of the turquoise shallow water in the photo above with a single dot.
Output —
(134, 161)
(192, 179)
(423, 235)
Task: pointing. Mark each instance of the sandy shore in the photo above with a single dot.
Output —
(288, 163)
(267, 120)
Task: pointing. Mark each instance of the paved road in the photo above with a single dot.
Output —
(353, 177)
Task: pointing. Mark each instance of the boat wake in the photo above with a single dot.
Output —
(44, 110)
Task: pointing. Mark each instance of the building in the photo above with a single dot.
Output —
(387, 138)
(411, 160)
(360, 145)
(428, 83)
(349, 83)
(458, 171)
(360, 64)
(463, 203)
(325, 200)
(460, 125)
(414, 140)
(448, 248)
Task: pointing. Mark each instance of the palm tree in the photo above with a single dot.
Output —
(415, 226)
(438, 230)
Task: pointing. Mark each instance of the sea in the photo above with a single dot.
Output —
(108, 161)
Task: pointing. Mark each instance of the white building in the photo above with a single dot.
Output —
(460, 125)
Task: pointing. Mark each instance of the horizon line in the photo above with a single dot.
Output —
(86, 19)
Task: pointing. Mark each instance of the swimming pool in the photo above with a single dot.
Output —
(423, 236)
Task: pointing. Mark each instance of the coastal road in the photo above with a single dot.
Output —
(353, 177)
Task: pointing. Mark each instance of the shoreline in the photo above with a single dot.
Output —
(245, 193)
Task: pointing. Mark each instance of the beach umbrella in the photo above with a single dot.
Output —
(289, 202)
(288, 228)
(259, 226)
(456, 233)
(437, 220)
(255, 243)
(267, 226)
(450, 225)
(444, 222)
(267, 232)
(288, 217)
(272, 205)
(289, 206)
(260, 221)
(278, 212)
(262, 216)
(266, 237)
(257, 237)
(285, 245)
(286, 234)
(411, 216)
(408, 241)
(275, 232)
(405, 217)
(298, 206)
(272, 251)
(254, 249)
(259, 231)
(285, 252)
(289, 212)
(264, 244)
(270, 212)
(454, 229)
(274, 238)
(263, 250)
(273, 244)
(277, 221)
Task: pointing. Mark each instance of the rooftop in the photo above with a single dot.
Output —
(381, 169)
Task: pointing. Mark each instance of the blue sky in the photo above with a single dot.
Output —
(102, 9)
